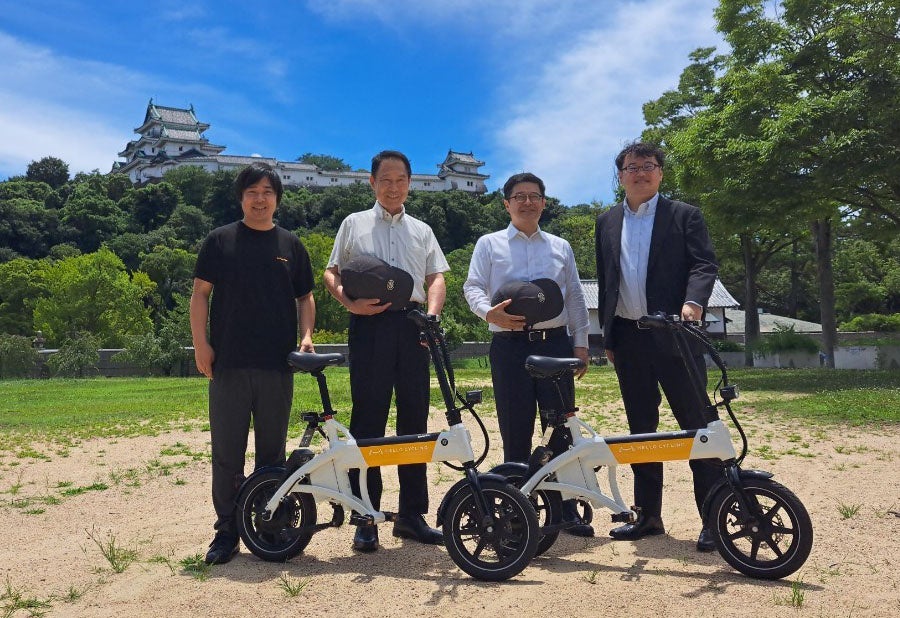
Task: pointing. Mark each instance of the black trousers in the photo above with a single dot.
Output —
(645, 361)
(234, 396)
(387, 360)
(518, 395)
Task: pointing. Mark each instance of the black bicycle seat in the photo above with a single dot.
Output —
(551, 366)
(310, 362)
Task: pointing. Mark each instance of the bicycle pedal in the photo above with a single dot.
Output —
(626, 517)
(361, 520)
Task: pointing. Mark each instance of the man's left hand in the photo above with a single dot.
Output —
(582, 354)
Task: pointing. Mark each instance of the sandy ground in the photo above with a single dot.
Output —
(150, 495)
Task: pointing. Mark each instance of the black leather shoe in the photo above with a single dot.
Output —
(414, 527)
(644, 526)
(366, 538)
(705, 541)
(223, 548)
(574, 524)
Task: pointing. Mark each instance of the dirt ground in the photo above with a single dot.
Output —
(61, 507)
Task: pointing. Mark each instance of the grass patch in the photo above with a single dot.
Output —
(65, 411)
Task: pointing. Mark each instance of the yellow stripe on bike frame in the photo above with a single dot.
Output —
(646, 451)
(397, 454)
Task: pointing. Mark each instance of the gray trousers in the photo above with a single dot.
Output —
(236, 395)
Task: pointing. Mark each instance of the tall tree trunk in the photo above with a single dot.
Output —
(821, 229)
(751, 314)
(794, 291)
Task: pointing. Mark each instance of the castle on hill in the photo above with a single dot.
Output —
(171, 137)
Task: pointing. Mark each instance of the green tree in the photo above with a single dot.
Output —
(330, 314)
(186, 228)
(27, 229)
(25, 189)
(458, 321)
(166, 350)
(323, 161)
(192, 181)
(22, 283)
(18, 357)
(220, 203)
(53, 171)
(92, 216)
(77, 356)
(94, 293)
(172, 270)
(150, 206)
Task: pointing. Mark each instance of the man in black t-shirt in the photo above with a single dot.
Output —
(261, 281)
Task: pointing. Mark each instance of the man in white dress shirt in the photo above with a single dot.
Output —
(386, 358)
(522, 252)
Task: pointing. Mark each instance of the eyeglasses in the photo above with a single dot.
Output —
(521, 198)
(646, 167)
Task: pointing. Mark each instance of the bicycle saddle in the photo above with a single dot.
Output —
(310, 362)
(551, 366)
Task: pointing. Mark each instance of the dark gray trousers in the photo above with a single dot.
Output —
(236, 395)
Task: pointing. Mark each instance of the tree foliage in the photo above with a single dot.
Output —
(93, 293)
(53, 171)
(324, 161)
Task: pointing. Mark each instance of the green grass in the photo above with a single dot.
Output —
(822, 395)
(67, 410)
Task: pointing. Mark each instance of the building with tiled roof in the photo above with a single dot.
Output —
(171, 137)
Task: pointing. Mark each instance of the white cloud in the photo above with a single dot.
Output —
(571, 119)
(53, 105)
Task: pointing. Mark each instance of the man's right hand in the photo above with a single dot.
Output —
(204, 356)
(367, 306)
(497, 315)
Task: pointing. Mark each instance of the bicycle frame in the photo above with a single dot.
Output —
(326, 476)
(328, 472)
(574, 474)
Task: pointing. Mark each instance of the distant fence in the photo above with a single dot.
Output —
(109, 367)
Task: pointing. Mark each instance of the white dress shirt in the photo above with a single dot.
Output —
(637, 228)
(510, 255)
(400, 240)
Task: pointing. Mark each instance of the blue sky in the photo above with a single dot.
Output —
(548, 86)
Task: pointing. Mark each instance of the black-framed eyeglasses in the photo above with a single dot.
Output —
(521, 198)
(646, 167)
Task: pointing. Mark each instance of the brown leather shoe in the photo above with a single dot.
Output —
(645, 525)
(366, 538)
(414, 527)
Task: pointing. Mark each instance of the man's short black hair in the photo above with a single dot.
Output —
(390, 154)
(641, 149)
(252, 174)
(523, 177)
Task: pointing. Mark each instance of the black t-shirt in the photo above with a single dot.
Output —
(256, 277)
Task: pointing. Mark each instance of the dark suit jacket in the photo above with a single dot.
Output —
(682, 265)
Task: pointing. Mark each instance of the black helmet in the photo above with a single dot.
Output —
(367, 276)
(539, 300)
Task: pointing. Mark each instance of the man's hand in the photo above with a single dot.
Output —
(366, 306)
(691, 312)
(497, 315)
(611, 357)
(582, 354)
(204, 356)
(306, 345)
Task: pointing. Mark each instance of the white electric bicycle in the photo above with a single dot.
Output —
(759, 526)
(490, 528)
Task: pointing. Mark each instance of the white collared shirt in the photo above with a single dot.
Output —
(634, 255)
(401, 240)
(509, 255)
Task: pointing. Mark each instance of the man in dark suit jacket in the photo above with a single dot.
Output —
(653, 254)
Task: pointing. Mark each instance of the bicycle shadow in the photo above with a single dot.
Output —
(651, 554)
